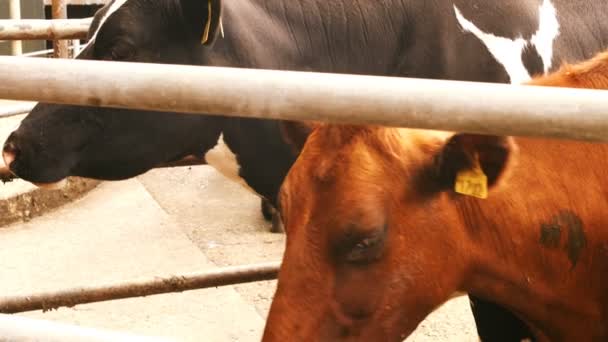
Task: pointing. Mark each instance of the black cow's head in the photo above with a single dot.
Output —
(57, 141)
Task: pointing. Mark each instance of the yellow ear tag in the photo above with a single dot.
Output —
(472, 182)
(205, 37)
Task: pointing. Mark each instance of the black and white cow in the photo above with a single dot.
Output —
(494, 41)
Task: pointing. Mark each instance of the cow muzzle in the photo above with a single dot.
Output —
(11, 151)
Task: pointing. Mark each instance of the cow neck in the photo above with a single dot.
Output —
(532, 299)
(511, 265)
(305, 36)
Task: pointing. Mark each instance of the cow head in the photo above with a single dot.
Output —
(57, 141)
(374, 243)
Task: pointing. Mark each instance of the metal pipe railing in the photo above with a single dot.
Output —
(16, 109)
(15, 14)
(75, 48)
(41, 29)
(484, 108)
(141, 288)
(59, 9)
(81, 2)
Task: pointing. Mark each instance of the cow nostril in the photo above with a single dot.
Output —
(9, 153)
(11, 148)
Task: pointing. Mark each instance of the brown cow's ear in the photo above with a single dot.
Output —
(471, 164)
(295, 133)
(204, 17)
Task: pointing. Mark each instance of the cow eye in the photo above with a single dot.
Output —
(122, 52)
(366, 248)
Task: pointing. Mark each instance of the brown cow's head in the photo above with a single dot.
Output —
(373, 238)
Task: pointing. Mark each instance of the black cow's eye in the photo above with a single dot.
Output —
(360, 249)
(122, 52)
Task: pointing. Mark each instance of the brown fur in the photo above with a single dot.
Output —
(591, 74)
(355, 183)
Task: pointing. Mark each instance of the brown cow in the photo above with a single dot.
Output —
(377, 237)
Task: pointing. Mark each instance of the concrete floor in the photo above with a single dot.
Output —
(166, 222)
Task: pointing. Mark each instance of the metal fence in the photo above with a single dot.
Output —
(63, 32)
(485, 108)
(16, 328)
(15, 14)
(41, 29)
(140, 288)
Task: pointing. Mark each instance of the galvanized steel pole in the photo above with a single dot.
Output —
(69, 298)
(60, 11)
(36, 29)
(485, 108)
(15, 14)
(18, 108)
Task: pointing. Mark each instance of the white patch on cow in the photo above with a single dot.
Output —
(508, 52)
(116, 5)
(224, 161)
(548, 30)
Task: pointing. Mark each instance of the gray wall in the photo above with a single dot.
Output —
(30, 9)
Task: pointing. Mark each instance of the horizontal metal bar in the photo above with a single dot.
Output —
(485, 108)
(47, 52)
(81, 2)
(140, 288)
(36, 29)
(38, 53)
(14, 8)
(59, 10)
(16, 109)
(22, 329)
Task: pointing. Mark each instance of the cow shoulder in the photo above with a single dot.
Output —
(591, 74)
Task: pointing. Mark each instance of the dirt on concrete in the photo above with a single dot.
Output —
(24, 202)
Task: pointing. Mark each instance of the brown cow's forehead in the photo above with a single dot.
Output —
(334, 150)
(348, 173)
(364, 154)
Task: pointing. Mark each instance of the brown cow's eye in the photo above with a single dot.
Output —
(365, 249)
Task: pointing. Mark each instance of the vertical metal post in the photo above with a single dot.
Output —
(75, 48)
(15, 14)
(60, 11)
